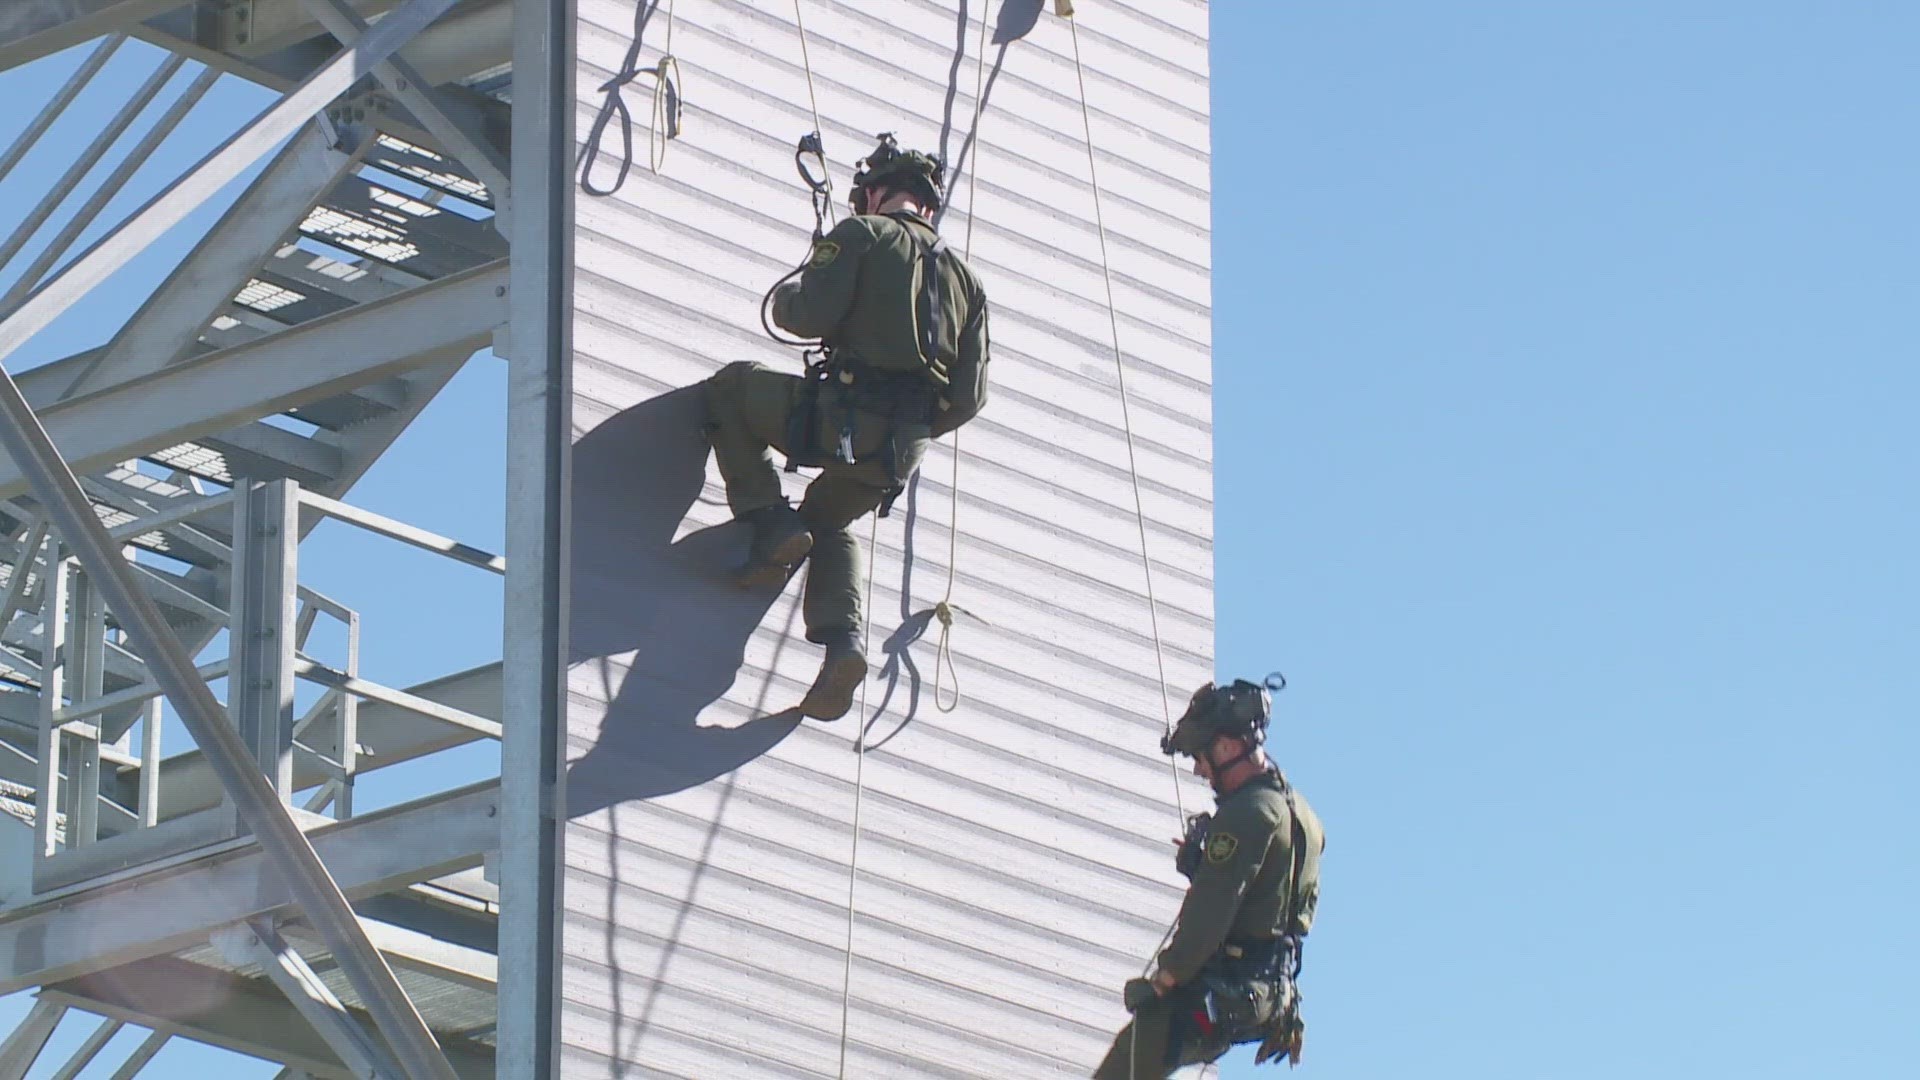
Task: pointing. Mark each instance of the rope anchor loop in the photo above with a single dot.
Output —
(665, 116)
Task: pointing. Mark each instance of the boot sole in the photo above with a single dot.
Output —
(832, 693)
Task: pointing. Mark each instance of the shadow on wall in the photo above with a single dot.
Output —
(667, 607)
(1017, 19)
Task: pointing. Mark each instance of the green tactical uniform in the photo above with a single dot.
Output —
(862, 292)
(1254, 890)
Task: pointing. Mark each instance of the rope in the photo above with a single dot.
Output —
(1126, 415)
(665, 117)
(859, 789)
(813, 99)
(1139, 507)
(944, 610)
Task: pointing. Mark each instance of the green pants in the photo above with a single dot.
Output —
(748, 409)
(1162, 1036)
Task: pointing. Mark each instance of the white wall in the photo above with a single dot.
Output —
(1014, 866)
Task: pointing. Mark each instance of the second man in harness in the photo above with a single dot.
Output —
(1228, 974)
(903, 325)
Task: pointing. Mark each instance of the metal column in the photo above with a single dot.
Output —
(266, 547)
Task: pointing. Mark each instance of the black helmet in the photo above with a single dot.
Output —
(1239, 710)
(924, 174)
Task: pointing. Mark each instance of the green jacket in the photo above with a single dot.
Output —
(1242, 887)
(861, 292)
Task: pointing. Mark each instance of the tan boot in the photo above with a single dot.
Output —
(832, 692)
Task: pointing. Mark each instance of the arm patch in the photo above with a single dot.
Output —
(1220, 847)
(824, 252)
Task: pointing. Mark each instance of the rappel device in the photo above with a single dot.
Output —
(820, 191)
(1193, 844)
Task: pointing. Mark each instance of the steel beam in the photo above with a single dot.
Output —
(269, 25)
(220, 264)
(53, 621)
(31, 29)
(381, 525)
(23, 1047)
(433, 324)
(539, 426)
(253, 1018)
(410, 950)
(258, 943)
(213, 172)
(399, 75)
(58, 104)
(110, 187)
(253, 796)
(73, 931)
(82, 165)
(266, 552)
(393, 735)
(88, 1050)
(141, 1055)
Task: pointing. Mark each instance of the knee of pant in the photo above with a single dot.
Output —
(835, 547)
(726, 385)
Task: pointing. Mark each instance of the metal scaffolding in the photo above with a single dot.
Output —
(155, 494)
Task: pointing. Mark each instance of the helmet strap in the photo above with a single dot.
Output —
(1220, 771)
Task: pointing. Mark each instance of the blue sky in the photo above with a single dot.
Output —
(1564, 427)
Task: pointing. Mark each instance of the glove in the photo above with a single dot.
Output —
(1138, 992)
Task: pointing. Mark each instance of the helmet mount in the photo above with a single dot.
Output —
(1240, 709)
(887, 165)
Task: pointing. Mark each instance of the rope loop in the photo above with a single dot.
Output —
(666, 111)
(943, 659)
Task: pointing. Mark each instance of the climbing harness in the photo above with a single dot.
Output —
(664, 125)
(896, 397)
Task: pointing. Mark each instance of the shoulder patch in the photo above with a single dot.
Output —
(824, 252)
(1221, 846)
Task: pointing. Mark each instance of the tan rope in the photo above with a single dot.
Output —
(666, 76)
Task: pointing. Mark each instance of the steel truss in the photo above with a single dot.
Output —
(155, 493)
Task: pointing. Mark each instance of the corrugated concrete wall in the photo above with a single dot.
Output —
(1013, 858)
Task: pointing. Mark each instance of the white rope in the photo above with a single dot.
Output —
(944, 610)
(813, 100)
(1139, 507)
(1126, 417)
(945, 606)
(859, 789)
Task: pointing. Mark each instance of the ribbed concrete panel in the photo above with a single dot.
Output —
(1013, 863)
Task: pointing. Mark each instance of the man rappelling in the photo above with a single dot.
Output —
(1228, 973)
(902, 326)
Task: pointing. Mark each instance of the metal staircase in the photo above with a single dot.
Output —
(289, 350)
